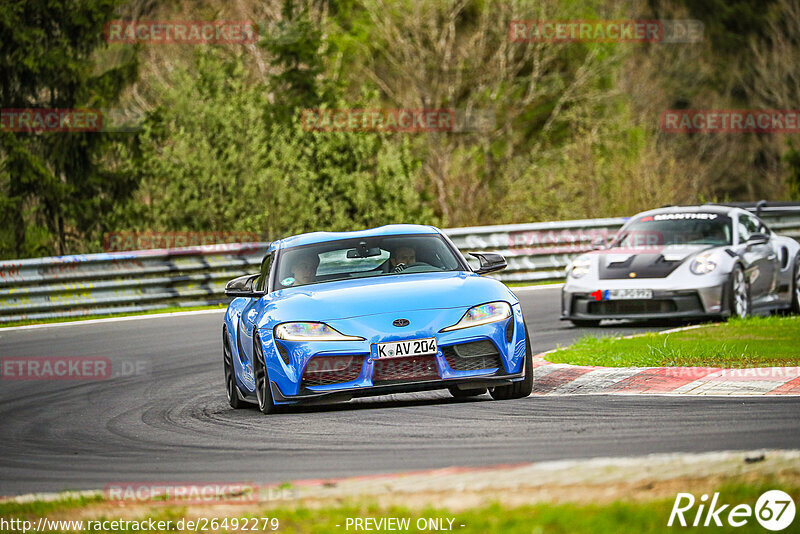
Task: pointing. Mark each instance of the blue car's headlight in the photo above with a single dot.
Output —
(483, 314)
(311, 332)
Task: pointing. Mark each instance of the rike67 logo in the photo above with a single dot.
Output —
(774, 510)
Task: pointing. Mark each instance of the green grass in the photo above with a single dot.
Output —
(639, 517)
(168, 309)
(754, 342)
(42, 508)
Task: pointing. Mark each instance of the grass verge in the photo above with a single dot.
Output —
(739, 343)
(574, 518)
(169, 309)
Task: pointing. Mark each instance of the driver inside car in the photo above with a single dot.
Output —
(715, 235)
(402, 257)
(304, 269)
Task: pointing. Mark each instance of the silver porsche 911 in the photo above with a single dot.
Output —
(685, 262)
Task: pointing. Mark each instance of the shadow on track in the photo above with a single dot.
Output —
(643, 323)
(376, 403)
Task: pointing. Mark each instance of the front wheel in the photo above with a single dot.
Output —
(524, 387)
(739, 293)
(796, 288)
(230, 378)
(263, 393)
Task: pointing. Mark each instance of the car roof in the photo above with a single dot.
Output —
(322, 237)
(705, 208)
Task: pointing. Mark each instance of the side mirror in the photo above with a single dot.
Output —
(490, 262)
(243, 287)
(757, 239)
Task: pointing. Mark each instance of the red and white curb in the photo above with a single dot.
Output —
(564, 379)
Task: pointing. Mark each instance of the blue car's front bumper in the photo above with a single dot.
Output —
(482, 356)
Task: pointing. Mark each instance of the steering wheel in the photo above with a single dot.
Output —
(402, 266)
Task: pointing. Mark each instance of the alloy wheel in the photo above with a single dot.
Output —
(228, 363)
(261, 379)
(740, 294)
(797, 284)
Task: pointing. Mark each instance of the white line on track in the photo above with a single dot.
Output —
(534, 288)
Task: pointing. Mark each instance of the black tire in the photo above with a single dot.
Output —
(795, 308)
(585, 323)
(263, 392)
(739, 294)
(523, 388)
(230, 379)
(465, 393)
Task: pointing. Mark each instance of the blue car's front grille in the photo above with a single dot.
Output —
(412, 368)
(472, 356)
(326, 370)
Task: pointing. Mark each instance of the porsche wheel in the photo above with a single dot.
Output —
(263, 393)
(524, 387)
(739, 294)
(796, 287)
(230, 379)
(465, 393)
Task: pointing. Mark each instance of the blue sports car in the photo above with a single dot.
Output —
(332, 316)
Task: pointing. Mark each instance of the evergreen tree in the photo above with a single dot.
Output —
(54, 187)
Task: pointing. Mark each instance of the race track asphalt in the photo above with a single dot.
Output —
(169, 420)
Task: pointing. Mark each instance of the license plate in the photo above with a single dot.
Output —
(411, 347)
(629, 294)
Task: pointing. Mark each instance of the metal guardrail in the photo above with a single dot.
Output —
(535, 251)
(123, 282)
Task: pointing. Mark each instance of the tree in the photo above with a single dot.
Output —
(296, 47)
(774, 80)
(533, 99)
(55, 187)
(213, 156)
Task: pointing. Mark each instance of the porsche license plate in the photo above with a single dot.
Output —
(629, 294)
(411, 347)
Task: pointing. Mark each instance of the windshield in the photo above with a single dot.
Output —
(364, 258)
(675, 229)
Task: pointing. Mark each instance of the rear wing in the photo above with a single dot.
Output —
(763, 207)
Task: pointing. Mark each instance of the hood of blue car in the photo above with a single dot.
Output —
(392, 293)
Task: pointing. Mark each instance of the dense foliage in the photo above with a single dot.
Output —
(55, 187)
(567, 130)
